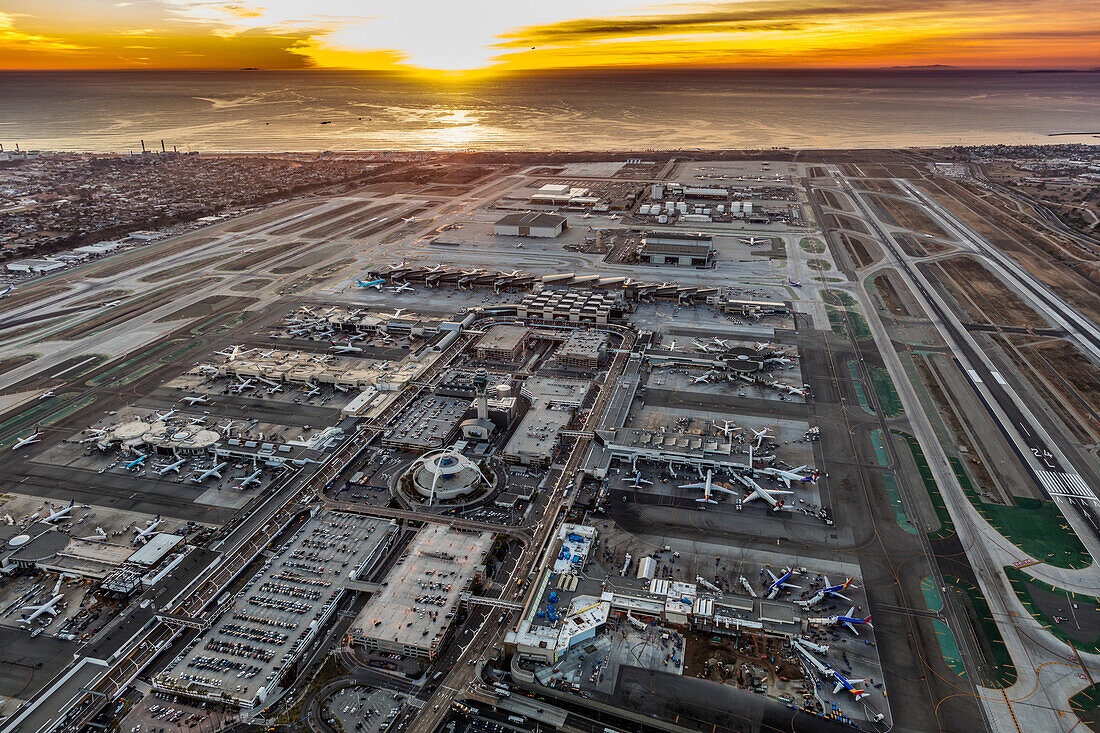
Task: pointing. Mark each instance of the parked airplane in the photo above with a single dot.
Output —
(759, 492)
(313, 392)
(40, 610)
(843, 620)
(62, 513)
(346, 349)
(720, 343)
(247, 481)
(47, 393)
(7, 291)
(21, 442)
(376, 284)
(162, 417)
(141, 536)
(242, 386)
(778, 585)
(163, 469)
(403, 287)
(827, 672)
(708, 486)
(727, 428)
(706, 377)
(753, 241)
(232, 353)
(636, 481)
(216, 472)
(137, 461)
(795, 283)
(828, 590)
(787, 476)
(760, 435)
(200, 400)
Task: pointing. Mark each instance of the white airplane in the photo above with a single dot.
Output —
(753, 241)
(707, 487)
(233, 352)
(196, 420)
(376, 284)
(161, 470)
(830, 591)
(762, 345)
(846, 619)
(403, 287)
(340, 388)
(216, 472)
(407, 219)
(672, 345)
(760, 435)
(720, 343)
(827, 672)
(276, 388)
(778, 585)
(141, 536)
(7, 291)
(759, 492)
(637, 481)
(397, 312)
(787, 476)
(40, 610)
(112, 304)
(227, 428)
(346, 349)
(313, 392)
(21, 442)
(47, 393)
(162, 417)
(242, 386)
(706, 377)
(62, 513)
(200, 400)
(247, 481)
(728, 427)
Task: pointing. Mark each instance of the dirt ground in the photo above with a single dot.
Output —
(207, 306)
(22, 297)
(984, 297)
(1069, 382)
(891, 300)
(1063, 265)
(908, 215)
(124, 263)
(840, 221)
(860, 249)
(828, 198)
(881, 186)
(728, 662)
(915, 246)
(118, 314)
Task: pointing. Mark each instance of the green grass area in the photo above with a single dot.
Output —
(819, 264)
(828, 279)
(1004, 672)
(838, 298)
(1085, 704)
(45, 413)
(861, 391)
(1022, 583)
(949, 645)
(890, 484)
(837, 321)
(888, 398)
(812, 245)
(947, 527)
(1035, 526)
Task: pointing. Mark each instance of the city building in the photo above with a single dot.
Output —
(554, 402)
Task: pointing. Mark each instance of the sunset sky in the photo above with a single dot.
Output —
(495, 36)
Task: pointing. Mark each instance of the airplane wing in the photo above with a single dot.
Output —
(693, 486)
(851, 627)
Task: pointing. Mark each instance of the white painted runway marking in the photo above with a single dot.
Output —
(1067, 485)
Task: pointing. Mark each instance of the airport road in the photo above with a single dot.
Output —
(985, 555)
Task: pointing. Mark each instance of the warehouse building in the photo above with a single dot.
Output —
(414, 609)
(694, 250)
(530, 225)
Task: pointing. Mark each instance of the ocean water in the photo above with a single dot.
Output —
(320, 110)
